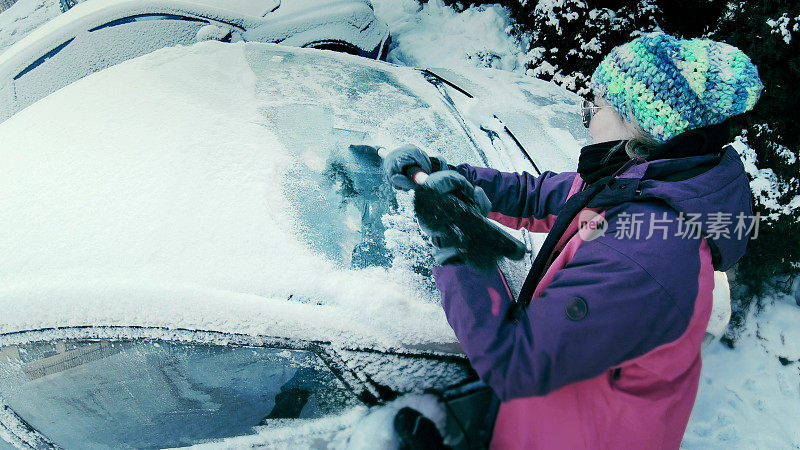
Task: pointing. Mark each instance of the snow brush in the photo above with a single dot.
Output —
(456, 218)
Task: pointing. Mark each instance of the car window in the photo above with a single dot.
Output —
(148, 394)
(318, 106)
(102, 47)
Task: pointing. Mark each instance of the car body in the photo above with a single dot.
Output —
(96, 34)
(194, 243)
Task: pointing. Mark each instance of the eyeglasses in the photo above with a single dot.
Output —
(588, 110)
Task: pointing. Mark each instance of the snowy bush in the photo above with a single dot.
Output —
(566, 39)
(763, 29)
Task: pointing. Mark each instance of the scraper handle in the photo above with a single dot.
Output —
(414, 173)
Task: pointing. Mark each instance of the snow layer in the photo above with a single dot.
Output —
(142, 220)
(23, 17)
(434, 35)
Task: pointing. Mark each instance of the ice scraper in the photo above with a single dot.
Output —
(456, 218)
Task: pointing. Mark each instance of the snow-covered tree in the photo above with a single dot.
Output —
(566, 39)
(769, 32)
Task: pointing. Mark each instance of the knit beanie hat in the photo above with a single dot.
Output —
(669, 85)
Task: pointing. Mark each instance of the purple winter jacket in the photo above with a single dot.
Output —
(607, 355)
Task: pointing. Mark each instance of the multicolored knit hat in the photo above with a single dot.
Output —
(669, 85)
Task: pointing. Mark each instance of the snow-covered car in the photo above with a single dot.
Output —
(96, 34)
(194, 257)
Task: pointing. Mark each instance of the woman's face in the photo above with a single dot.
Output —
(607, 124)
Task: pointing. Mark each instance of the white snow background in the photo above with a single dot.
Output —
(748, 398)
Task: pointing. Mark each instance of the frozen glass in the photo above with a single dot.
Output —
(147, 394)
(318, 106)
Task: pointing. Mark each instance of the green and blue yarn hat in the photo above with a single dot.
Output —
(669, 85)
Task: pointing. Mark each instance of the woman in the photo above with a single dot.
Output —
(603, 351)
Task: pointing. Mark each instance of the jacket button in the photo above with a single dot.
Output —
(577, 309)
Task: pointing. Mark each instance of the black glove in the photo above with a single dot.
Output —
(449, 242)
(395, 163)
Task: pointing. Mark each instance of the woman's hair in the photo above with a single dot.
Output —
(641, 144)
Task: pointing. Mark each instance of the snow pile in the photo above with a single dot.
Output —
(434, 35)
(749, 395)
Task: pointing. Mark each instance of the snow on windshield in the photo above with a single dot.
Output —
(192, 188)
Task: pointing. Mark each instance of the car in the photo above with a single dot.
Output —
(195, 257)
(96, 34)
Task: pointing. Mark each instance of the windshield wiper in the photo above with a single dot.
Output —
(438, 82)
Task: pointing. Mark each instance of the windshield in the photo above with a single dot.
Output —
(151, 394)
(240, 190)
(339, 196)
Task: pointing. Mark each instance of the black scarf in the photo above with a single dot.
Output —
(601, 160)
(597, 165)
(606, 158)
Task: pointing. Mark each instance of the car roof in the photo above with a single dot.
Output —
(251, 8)
(93, 13)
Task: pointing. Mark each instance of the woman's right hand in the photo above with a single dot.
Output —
(395, 163)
